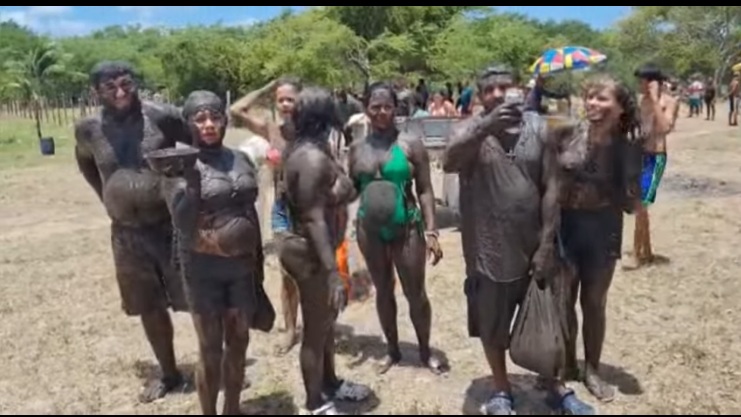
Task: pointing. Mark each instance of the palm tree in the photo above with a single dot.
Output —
(31, 76)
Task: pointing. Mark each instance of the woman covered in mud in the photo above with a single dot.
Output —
(393, 231)
(220, 251)
(317, 194)
(285, 92)
(600, 165)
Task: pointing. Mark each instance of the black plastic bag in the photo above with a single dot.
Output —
(538, 341)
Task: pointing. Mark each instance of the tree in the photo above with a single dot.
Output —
(32, 75)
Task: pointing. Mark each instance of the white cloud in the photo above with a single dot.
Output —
(244, 22)
(52, 20)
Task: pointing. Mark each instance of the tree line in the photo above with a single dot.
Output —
(347, 45)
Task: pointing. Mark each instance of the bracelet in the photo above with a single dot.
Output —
(432, 233)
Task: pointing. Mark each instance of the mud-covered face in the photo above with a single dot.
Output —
(381, 109)
(118, 93)
(493, 90)
(285, 99)
(601, 104)
(209, 126)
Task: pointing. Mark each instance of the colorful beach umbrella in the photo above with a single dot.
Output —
(567, 58)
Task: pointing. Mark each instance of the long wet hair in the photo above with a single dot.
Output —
(629, 123)
(315, 115)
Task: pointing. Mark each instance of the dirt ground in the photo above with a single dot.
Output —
(672, 347)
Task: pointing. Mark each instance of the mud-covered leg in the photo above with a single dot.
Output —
(209, 329)
(380, 266)
(236, 339)
(317, 325)
(410, 260)
(596, 281)
(160, 334)
(290, 301)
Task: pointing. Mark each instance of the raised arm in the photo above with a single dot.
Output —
(84, 157)
(550, 209)
(465, 137)
(170, 120)
(242, 107)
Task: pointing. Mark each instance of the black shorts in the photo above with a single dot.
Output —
(215, 284)
(147, 279)
(591, 238)
(492, 307)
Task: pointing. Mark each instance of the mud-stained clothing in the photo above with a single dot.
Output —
(146, 276)
(500, 197)
(591, 238)
(215, 284)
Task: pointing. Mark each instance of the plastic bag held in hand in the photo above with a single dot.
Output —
(539, 335)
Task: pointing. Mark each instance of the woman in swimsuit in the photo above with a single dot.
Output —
(600, 167)
(393, 231)
(220, 249)
(440, 107)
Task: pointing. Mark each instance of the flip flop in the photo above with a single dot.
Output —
(499, 404)
(569, 405)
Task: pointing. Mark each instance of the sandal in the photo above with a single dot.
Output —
(351, 392)
(569, 405)
(328, 409)
(500, 404)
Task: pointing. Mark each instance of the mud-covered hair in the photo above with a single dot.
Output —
(294, 82)
(376, 86)
(492, 70)
(629, 124)
(110, 70)
(315, 114)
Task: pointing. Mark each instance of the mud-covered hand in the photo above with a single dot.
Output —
(337, 292)
(543, 266)
(504, 117)
(434, 252)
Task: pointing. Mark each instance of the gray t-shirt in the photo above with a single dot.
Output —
(500, 199)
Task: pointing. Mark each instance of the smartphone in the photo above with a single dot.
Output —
(513, 95)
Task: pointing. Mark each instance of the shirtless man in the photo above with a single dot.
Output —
(285, 91)
(109, 151)
(317, 191)
(734, 91)
(658, 116)
(509, 211)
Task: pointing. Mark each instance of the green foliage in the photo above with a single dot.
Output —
(347, 45)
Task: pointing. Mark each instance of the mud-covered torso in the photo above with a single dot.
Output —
(227, 220)
(590, 171)
(131, 191)
(500, 199)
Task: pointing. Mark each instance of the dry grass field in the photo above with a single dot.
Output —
(673, 344)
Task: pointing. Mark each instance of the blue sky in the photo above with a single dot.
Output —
(75, 20)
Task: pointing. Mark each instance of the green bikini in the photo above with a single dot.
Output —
(396, 171)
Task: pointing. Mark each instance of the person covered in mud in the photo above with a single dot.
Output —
(599, 171)
(658, 116)
(220, 248)
(278, 133)
(509, 214)
(109, 151)
(393, 231)
(317, 192)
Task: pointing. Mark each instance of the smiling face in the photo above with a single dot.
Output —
(601, 104)
(117, 92)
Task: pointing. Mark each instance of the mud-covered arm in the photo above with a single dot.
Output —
(550, 210)
(171, 122)
(343, 190)
(631, 166)
(314, 180)
(183, 196)
(464, 142)
(242, 107)
(84, 156)
(423, 182)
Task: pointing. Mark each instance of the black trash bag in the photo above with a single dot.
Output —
(538, 341)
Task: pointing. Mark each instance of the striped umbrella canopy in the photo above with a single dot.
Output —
(567, 58)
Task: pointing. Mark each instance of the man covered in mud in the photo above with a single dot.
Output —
(509, 211)
(658, 115)
(317, 192)
(109, 151)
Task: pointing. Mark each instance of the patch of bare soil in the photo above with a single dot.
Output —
(672, 345)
